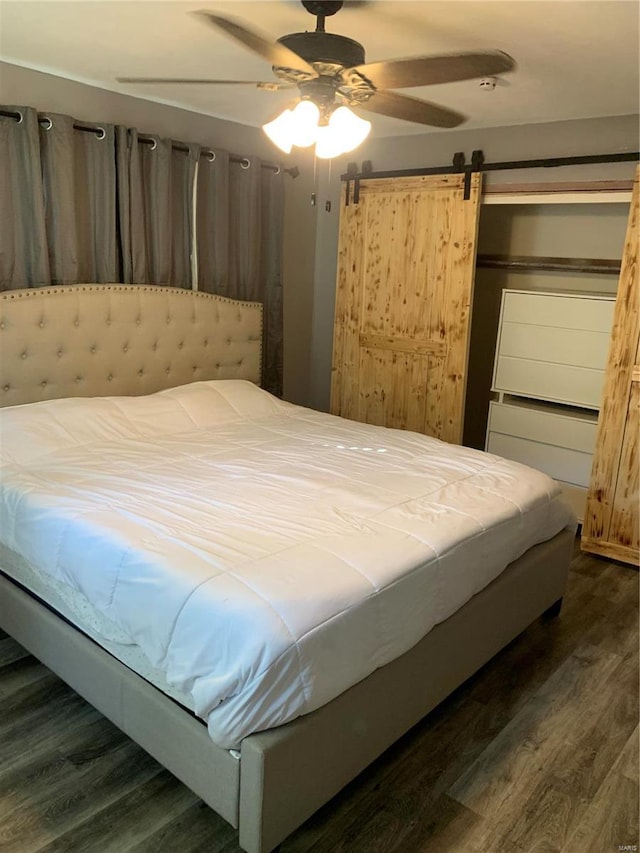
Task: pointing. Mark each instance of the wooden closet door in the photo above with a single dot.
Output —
(611, 519)
(404, 292)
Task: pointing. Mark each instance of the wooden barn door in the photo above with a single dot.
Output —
(404, 292)
(611, 525)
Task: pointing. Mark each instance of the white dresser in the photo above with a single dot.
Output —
(547, 380)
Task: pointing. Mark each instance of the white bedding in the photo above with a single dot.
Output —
(264, 556)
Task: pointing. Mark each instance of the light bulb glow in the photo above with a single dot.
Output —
(304, 124)
(328, 144)
(280, 132)
(353, 129)
(344, 132)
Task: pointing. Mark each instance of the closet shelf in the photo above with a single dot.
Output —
(547, 264)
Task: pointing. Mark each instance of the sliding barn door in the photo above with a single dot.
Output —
(611, 525)
(404, 292)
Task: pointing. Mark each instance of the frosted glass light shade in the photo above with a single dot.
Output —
(328, 143)
(304, 124)
(280, 131)
(344, 132)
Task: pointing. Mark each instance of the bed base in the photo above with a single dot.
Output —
(554, 611)
(286, 774)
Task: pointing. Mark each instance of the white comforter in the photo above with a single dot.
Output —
(265, 556)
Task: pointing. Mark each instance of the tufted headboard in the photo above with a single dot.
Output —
(105, 339)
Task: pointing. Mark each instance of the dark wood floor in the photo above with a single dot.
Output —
(536, 753)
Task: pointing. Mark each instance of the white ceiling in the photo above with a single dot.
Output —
(576, 58)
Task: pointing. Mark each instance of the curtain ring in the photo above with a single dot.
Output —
(20, 118)
(47, 126)
(277, 170)
(154, 145)
(102, 133)
(245, 163)
(211, 156)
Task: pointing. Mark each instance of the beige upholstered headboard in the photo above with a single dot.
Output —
(105, 339)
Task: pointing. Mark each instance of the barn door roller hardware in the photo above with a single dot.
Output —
(353, 175)
(478, 164)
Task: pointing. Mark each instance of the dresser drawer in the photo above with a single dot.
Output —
(544, 427)
(553, 347)
(570, 466)
(559, 311)
(576, 347)
(563, 383)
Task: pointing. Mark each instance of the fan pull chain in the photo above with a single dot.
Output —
(327, 204)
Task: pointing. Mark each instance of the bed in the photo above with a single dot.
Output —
(117, 363)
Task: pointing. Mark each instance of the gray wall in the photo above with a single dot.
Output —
(590, 136)
(88, 103)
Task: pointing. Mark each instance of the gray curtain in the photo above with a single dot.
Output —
(79, 206)
(245, 231)
(272, 191)
(212, 222)
(79, 179)
(24, 260)
(240, 224)
(155, 209)
(183, 172)
(58, 210)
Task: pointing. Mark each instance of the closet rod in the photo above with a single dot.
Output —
(99, 131)
(548, 264)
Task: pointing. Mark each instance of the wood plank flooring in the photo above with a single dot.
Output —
(537, 753)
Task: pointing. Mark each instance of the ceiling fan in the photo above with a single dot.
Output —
(331, 75)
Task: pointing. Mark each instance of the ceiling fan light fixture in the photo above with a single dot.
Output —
(344, 132)
(294, 127)
(304, 124)
(352, 129)
(328, 145)
(280, 132)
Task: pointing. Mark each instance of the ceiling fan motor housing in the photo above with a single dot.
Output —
(325, 48)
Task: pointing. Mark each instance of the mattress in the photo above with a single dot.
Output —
(263, 556)
(73, 606)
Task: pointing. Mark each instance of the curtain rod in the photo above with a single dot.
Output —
(294, 171)
(99, 131)
(245, 162)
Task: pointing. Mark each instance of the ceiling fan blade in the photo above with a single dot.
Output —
(411, 109)
(271, 86)
(277, 54)
(429, 70)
